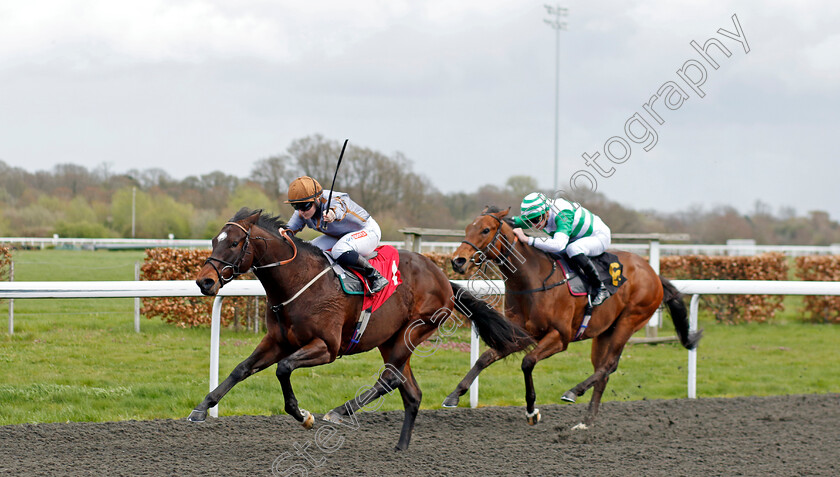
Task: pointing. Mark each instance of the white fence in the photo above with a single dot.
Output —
(441, 247)
(106, 243)
(130, 289)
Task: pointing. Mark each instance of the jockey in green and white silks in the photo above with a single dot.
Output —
(571, 229)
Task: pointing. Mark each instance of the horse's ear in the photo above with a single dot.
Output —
(504, 212)
(486, 208)
(252, 219)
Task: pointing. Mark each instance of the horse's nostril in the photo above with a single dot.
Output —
(458, 263)
(206, 283)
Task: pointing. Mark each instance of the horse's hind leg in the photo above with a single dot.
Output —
(266, 354)
(396, 373)
(486, 359)
(411, 396)
(599, 356)
(312, 354)
(392, 377)
(606, 353)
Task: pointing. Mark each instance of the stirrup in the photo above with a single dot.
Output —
(601, 296)
(376, 284)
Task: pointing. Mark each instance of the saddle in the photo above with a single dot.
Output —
(351, 282)
(609, 268)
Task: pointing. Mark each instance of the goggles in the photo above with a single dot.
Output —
(302, 206)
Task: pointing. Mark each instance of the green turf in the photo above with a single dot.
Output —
(80, 360)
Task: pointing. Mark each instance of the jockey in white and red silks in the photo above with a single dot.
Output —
(350, 233)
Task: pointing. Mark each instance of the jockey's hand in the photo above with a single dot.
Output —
(520, 235)
(329, 216)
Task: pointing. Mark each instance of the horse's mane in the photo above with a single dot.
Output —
(492, 209)
(272, 224)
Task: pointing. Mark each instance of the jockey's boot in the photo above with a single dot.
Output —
(376, 282)
(590, 274)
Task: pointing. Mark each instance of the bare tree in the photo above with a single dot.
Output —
(273, 174)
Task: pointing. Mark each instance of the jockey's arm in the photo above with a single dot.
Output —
(554, 244)
(338, 207)
(296, 223)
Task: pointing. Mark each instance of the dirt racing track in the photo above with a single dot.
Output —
(781, 435)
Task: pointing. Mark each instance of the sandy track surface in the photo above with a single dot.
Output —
(780, 435)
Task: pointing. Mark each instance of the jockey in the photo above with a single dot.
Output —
(571, 228)
(350, 233)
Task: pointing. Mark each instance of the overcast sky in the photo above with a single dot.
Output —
(465, 89)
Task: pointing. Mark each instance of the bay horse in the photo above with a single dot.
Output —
(537, 300)
(310, 321)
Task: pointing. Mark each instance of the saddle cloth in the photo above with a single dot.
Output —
(609, 268)
(385, 259)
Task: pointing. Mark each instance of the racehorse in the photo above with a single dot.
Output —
(311, 321)
(536, 300)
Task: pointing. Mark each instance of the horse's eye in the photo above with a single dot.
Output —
(486, 231)
(234, 243)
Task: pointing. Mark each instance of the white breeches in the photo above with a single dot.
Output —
(364, 242)
(595, 244)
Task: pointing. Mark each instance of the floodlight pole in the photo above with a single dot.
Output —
(555, 23)
(133, 206)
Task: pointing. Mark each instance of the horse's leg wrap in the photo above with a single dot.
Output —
(533, 417)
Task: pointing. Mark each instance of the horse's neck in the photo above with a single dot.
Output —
(530, 272)
(283, 281)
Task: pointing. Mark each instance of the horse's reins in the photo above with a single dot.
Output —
(505, 256)
(483, 251)
(235, 266)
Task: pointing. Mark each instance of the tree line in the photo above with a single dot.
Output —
(73, 201)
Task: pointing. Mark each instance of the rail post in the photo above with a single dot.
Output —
(692, 353)
(656, 319)
(11, 300)
(474, 345)
(215, 327)
(137, 299)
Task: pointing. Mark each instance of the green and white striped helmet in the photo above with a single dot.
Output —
(533, 205)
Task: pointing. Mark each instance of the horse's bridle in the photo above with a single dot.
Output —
(234, 267)
(505, 256)
(483, 251)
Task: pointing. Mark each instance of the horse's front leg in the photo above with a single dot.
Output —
(486, 359)
(313, 354)
(550, 344)
(266, 354)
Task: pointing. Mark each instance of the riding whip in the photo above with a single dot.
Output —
(340, 156)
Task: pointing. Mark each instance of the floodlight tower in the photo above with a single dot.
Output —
(556, 13)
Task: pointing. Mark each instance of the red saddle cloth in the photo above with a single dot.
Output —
(387, 261)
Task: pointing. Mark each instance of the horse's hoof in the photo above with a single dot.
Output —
(534, 417)
(580, 427)
(451, 401)
(308, 419)
(197, 416)
(569, 397)
(331, 416)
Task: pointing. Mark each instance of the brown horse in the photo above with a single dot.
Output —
(537, 300)
(310, 320)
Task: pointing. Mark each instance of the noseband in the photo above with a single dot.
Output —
(235, 267)
(483, 251)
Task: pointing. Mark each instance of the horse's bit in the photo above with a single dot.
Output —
(483, 252)
(234, 267)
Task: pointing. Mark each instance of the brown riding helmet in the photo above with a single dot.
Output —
(304, 189)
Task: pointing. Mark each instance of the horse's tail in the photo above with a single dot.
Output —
(673, 299)
(499, 333)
